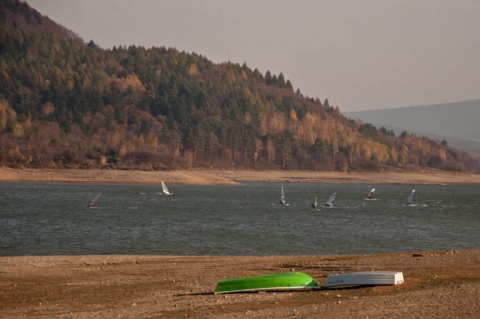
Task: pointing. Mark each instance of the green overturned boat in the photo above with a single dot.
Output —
(280, 281)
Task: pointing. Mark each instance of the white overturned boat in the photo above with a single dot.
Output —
(367, 278)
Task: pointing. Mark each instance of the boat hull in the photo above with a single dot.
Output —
(279, 281)
(367, 278)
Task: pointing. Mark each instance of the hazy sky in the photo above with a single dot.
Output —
(360, 54)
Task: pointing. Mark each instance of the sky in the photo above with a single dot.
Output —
(358, 54)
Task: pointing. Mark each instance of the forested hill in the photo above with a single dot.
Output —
(66, 103)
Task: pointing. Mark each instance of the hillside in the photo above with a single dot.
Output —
(455, 122)
(68, 104)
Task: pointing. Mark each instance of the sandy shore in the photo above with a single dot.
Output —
(442, 284)
(231, 177)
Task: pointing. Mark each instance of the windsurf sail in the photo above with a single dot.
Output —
(165, 189)
(315, 203)
(331, 200)
(282, 198)
(371, 193)
(411, 197)
(95, 201)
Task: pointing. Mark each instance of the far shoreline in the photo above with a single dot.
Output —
(231, 176)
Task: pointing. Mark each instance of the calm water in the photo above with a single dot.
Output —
(52, 219)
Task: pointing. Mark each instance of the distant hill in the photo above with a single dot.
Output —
(65, 103)
(455, 122)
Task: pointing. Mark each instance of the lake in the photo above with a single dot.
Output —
(53, 219)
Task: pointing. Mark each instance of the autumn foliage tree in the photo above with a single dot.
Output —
(65, 103)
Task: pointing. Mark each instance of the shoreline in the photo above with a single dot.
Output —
(230, 177)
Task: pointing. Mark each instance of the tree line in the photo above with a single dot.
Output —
(66, 103)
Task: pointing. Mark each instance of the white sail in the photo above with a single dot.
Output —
(165, 189)
(95, 201)
(371, 193)
(411, 197)
(282, 198)
(315, 203)
(331, 200)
